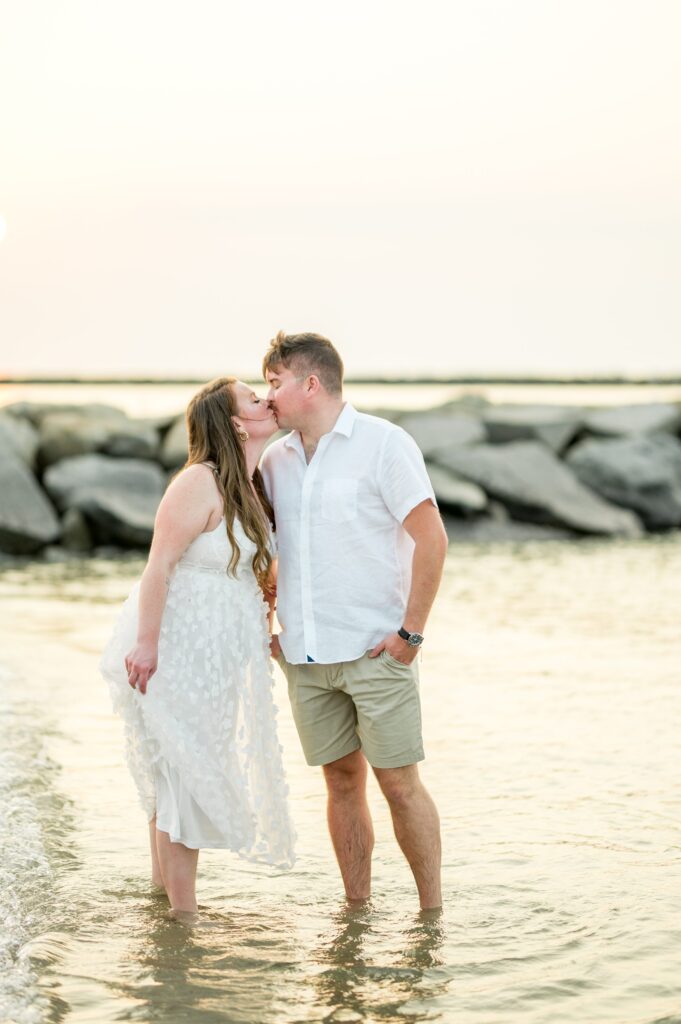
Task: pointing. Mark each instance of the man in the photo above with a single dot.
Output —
(361, 550)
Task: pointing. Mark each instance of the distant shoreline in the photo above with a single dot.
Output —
(406, 381)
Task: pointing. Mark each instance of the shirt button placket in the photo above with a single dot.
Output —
(309, 631)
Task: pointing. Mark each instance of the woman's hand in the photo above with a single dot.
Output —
(140, 664)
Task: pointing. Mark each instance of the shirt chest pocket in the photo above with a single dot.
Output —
(339, 500)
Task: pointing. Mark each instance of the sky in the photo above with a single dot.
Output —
(442, 188)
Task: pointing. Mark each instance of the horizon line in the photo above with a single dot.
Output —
(612, 379)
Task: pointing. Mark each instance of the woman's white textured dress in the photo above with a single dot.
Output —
(202, 742)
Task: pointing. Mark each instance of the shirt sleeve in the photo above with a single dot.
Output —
(402, 476)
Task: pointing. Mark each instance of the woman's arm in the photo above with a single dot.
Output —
(270, 593)
(183, 514)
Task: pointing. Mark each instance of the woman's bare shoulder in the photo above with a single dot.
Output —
(197, 471)
(195, 483)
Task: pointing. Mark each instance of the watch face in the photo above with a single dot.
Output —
(415, 639)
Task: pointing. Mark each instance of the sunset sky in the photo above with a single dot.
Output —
(453, 187)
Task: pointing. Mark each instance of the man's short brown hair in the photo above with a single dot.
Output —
(306, 353)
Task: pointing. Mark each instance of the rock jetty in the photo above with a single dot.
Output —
(88, 479)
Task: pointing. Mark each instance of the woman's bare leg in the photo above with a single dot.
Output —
(178, 868)
(156, 876)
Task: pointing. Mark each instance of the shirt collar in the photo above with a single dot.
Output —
(343, 425)
(345, 421)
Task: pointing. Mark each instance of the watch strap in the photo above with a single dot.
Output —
(406, 635)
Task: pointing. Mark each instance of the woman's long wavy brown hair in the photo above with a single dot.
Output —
(214, 438)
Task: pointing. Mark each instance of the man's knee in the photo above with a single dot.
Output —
(398, 785)
(346, 775)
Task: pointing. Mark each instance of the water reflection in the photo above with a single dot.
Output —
(219, 966)
(354, 985)
(425, 939)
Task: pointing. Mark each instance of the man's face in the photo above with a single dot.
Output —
(254, 413)
(286, 396)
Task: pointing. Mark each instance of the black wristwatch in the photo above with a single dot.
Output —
(413, 639)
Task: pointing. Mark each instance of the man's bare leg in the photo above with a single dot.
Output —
(178, 868)
(156, 876)
(352, 832)
(417, 828)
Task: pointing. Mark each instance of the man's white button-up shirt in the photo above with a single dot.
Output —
(344, 556)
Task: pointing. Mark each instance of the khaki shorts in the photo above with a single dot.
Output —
(370, 703)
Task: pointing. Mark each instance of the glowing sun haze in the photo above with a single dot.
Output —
(447, 187)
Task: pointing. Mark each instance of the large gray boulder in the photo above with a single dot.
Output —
(133, 439)
(27, 519)
(75, 532)
(453, 492)
(383, 412)
(472, 403)
(125, 519)
(491, 530)
(64, 434)
(175, 445)
(535, 486)
(19, 436)
(35, 412)
(650, 418)
(555, 425)
(118, 497)
(642, 473)
(434, 429)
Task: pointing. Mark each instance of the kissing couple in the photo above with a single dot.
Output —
(336, 525)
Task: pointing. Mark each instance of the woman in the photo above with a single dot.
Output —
(189, 664)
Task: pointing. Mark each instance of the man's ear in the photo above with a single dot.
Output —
(312, 384)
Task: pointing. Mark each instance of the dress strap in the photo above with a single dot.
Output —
(211, 466)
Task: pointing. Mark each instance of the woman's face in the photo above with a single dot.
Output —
(254, 413)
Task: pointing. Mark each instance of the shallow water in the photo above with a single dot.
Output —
(550, 687)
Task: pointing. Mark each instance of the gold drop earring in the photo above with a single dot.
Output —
(243, 434)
